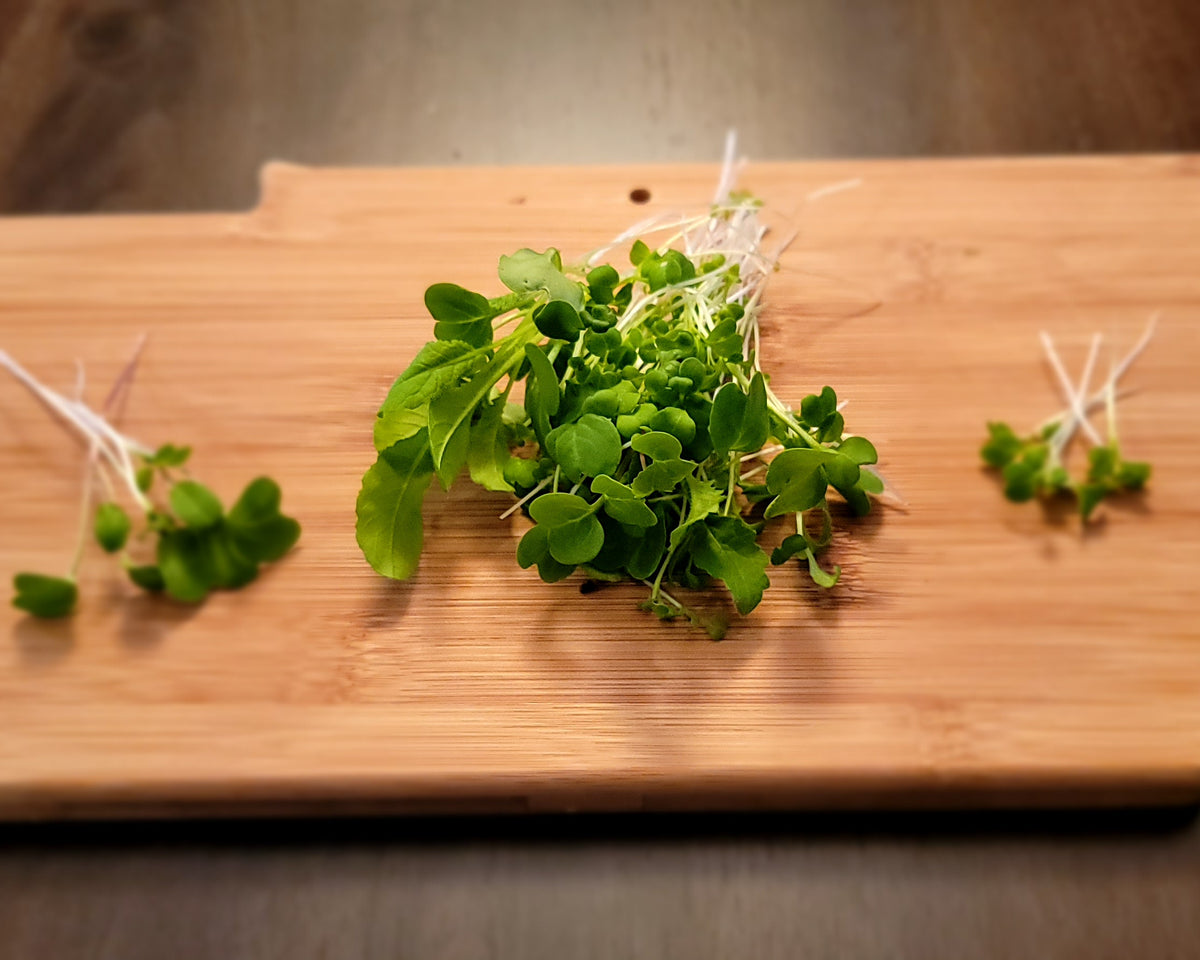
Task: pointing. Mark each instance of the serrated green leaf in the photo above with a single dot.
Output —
(703, 500)
(438, 365)
(44, 596)
(727, 548)
(389, 529)
(488, 454)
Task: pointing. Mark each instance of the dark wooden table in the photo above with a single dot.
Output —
(170, 104)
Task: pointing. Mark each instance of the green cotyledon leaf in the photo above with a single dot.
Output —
(389, 528)
(589, 447)
(526, 271)
(44, 596)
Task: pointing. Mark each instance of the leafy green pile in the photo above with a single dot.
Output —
(640, 444)
(189, 544)
(1034, 465)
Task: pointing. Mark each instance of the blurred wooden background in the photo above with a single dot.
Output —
(174, 104)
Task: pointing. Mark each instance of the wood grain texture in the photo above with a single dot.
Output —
(163, 104)
(975, 652)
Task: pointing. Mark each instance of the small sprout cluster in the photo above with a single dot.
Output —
(187, 543)
(1033, 466)
(647, 445)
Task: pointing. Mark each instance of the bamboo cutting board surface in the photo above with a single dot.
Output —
(975, 652)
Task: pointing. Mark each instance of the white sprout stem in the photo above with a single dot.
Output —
(1078, 418)
(1107, 392)
(113, 446)
(525, 499)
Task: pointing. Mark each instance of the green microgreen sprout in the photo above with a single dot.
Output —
(1034, 465)
(186, 545)
(648, 445)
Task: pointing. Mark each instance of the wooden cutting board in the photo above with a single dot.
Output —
(976, 652)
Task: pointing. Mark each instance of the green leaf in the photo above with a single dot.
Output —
(1090, 495)
(657, 445)
(488, 454)
(389, 529)
(1019, 481)
(145, 478)
(44, 596)
(1002, 445)
(257, 503)
(819, 576)
(791, 545)
(576, 542)
(437, 366)
(541, 392)
(1102, 461)
(622, 504)
(573, 533)
(661, 476)
(638, 252)
(648, 550)
(739, 420)
(558, 320)
(727, 548)
(461, 314)
(818, 409)
(1132, 474)
(112, 526)
(588, 447)
(858, 449)
(229, 568)
(535, 548)
(184, 564)
(555, 509)
(870, 482)
(149, 578)
(843, 472)
(195, 505)
(601, 282)
(451, 411)
(796, 476)
(267, 541)
(527, 271)
(169, 455)
(703, 500)
(256, 528)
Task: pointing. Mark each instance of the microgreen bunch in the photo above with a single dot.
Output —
(648, 444)
(1033, 466)
(187, 543)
